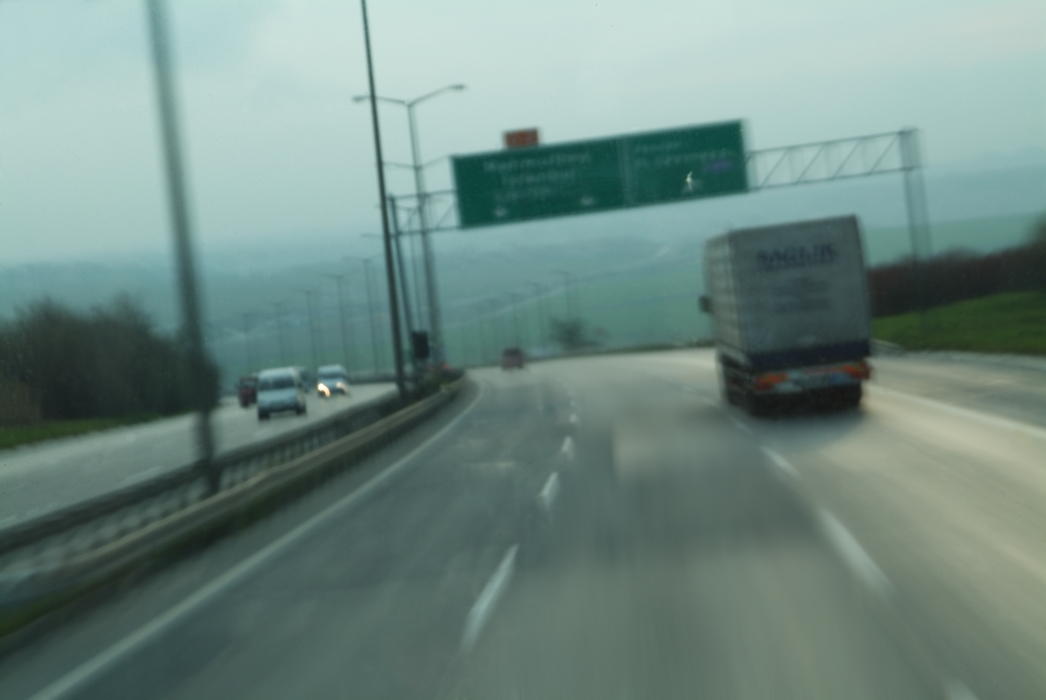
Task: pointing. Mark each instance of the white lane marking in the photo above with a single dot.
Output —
(574, 419)
(996, 421)
(956, 690)
(83, 673)
(567, 448)
(854, 555)
(549, 491)
(484, 605)
(741, 426)
(781, 463)
(141, 476)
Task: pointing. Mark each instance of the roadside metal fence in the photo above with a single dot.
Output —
(58, 550)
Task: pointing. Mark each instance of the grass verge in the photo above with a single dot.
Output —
(11, 436)
(1004, 323)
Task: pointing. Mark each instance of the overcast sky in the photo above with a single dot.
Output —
(276, 148)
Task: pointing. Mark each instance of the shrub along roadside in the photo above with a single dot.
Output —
(12, 436)
(1004, 323)
(959, 275)
(60, 365)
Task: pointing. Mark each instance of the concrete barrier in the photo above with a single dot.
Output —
(32, 592)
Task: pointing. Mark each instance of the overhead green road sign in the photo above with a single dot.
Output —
(588, 176)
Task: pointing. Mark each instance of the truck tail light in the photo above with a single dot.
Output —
(766, 382)
(858, 370)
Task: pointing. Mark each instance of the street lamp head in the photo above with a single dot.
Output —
(459, 86)
(360, 98)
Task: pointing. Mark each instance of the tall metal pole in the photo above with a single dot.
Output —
(279, 332)
(190, 305)
(390, 274)
(539, 290)
(312, 327)
(566, 290)
(482, 337)
(435, 329)
(404, 282)
(371, 313)
(247, 343)
(464, 346)
(515, 318)
(339, 279)
(918, 216)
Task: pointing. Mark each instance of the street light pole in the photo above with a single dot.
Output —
(312, 326)
(247, 343)
(390, 274)
(279, 332)
(566, 290)
(515, 318)
(408, 313)
(435, 327)
(202, 396)
(339, 279)
(539, 290)
(370, 308)
(482, 336)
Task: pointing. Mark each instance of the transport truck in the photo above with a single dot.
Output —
(790, 308)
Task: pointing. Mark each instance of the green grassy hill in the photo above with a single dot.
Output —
(1009, 323)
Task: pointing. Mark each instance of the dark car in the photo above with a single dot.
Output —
(247, 390)
(512, 358)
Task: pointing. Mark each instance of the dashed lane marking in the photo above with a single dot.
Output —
(488, 600)
(568, 450)
(549, 491)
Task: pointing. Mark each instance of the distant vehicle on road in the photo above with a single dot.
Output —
(280, 390)
(512, 357)
(332, 379)
(791, 311)
(247, 390)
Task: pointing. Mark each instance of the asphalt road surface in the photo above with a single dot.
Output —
(42, 477)
(606, 528)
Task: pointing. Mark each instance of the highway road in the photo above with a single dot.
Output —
(38, 478)
(606, 528)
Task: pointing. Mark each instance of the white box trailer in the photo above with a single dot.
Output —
(791, 311)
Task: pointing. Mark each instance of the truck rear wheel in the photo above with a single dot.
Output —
(758, 405)
(849, 397)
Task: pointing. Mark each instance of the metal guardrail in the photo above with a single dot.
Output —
(48, 554)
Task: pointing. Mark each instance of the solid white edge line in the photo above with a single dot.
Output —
(854, 555)
(781, 463)
(740, 425)
(488, 598)
(996, 421)
(100, 662)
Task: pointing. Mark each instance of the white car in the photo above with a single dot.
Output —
(330, 380)
(280, 390)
